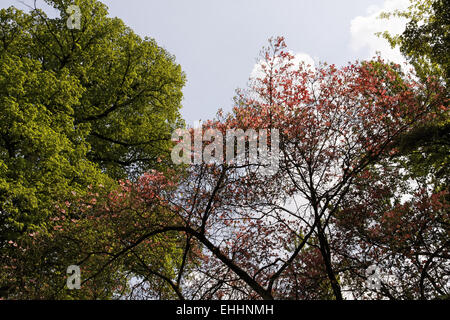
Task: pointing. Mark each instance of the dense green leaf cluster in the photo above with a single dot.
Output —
(78, 108)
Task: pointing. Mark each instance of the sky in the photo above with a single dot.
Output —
(217, 42)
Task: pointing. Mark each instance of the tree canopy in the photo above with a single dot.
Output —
(79, 107)
(87, 136)
(425, 44)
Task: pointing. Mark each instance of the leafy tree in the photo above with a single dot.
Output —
(92, 232)
(79, 107)
(263, 238)
(425, 44)
(400, 226)
(43, 154)
(403, 230)
(425, 41)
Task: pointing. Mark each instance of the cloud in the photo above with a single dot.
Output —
(363, 29)
(301, 57)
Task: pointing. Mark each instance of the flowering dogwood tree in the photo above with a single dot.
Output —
(234, 232)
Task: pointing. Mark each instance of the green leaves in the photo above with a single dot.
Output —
(78, 108)
(425, 43)
(37, 153)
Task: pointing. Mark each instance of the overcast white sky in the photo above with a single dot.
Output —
(217, 41)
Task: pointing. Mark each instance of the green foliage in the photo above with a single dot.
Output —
(79, 107)
(42, 153)
(425, 43)
(427, 150)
